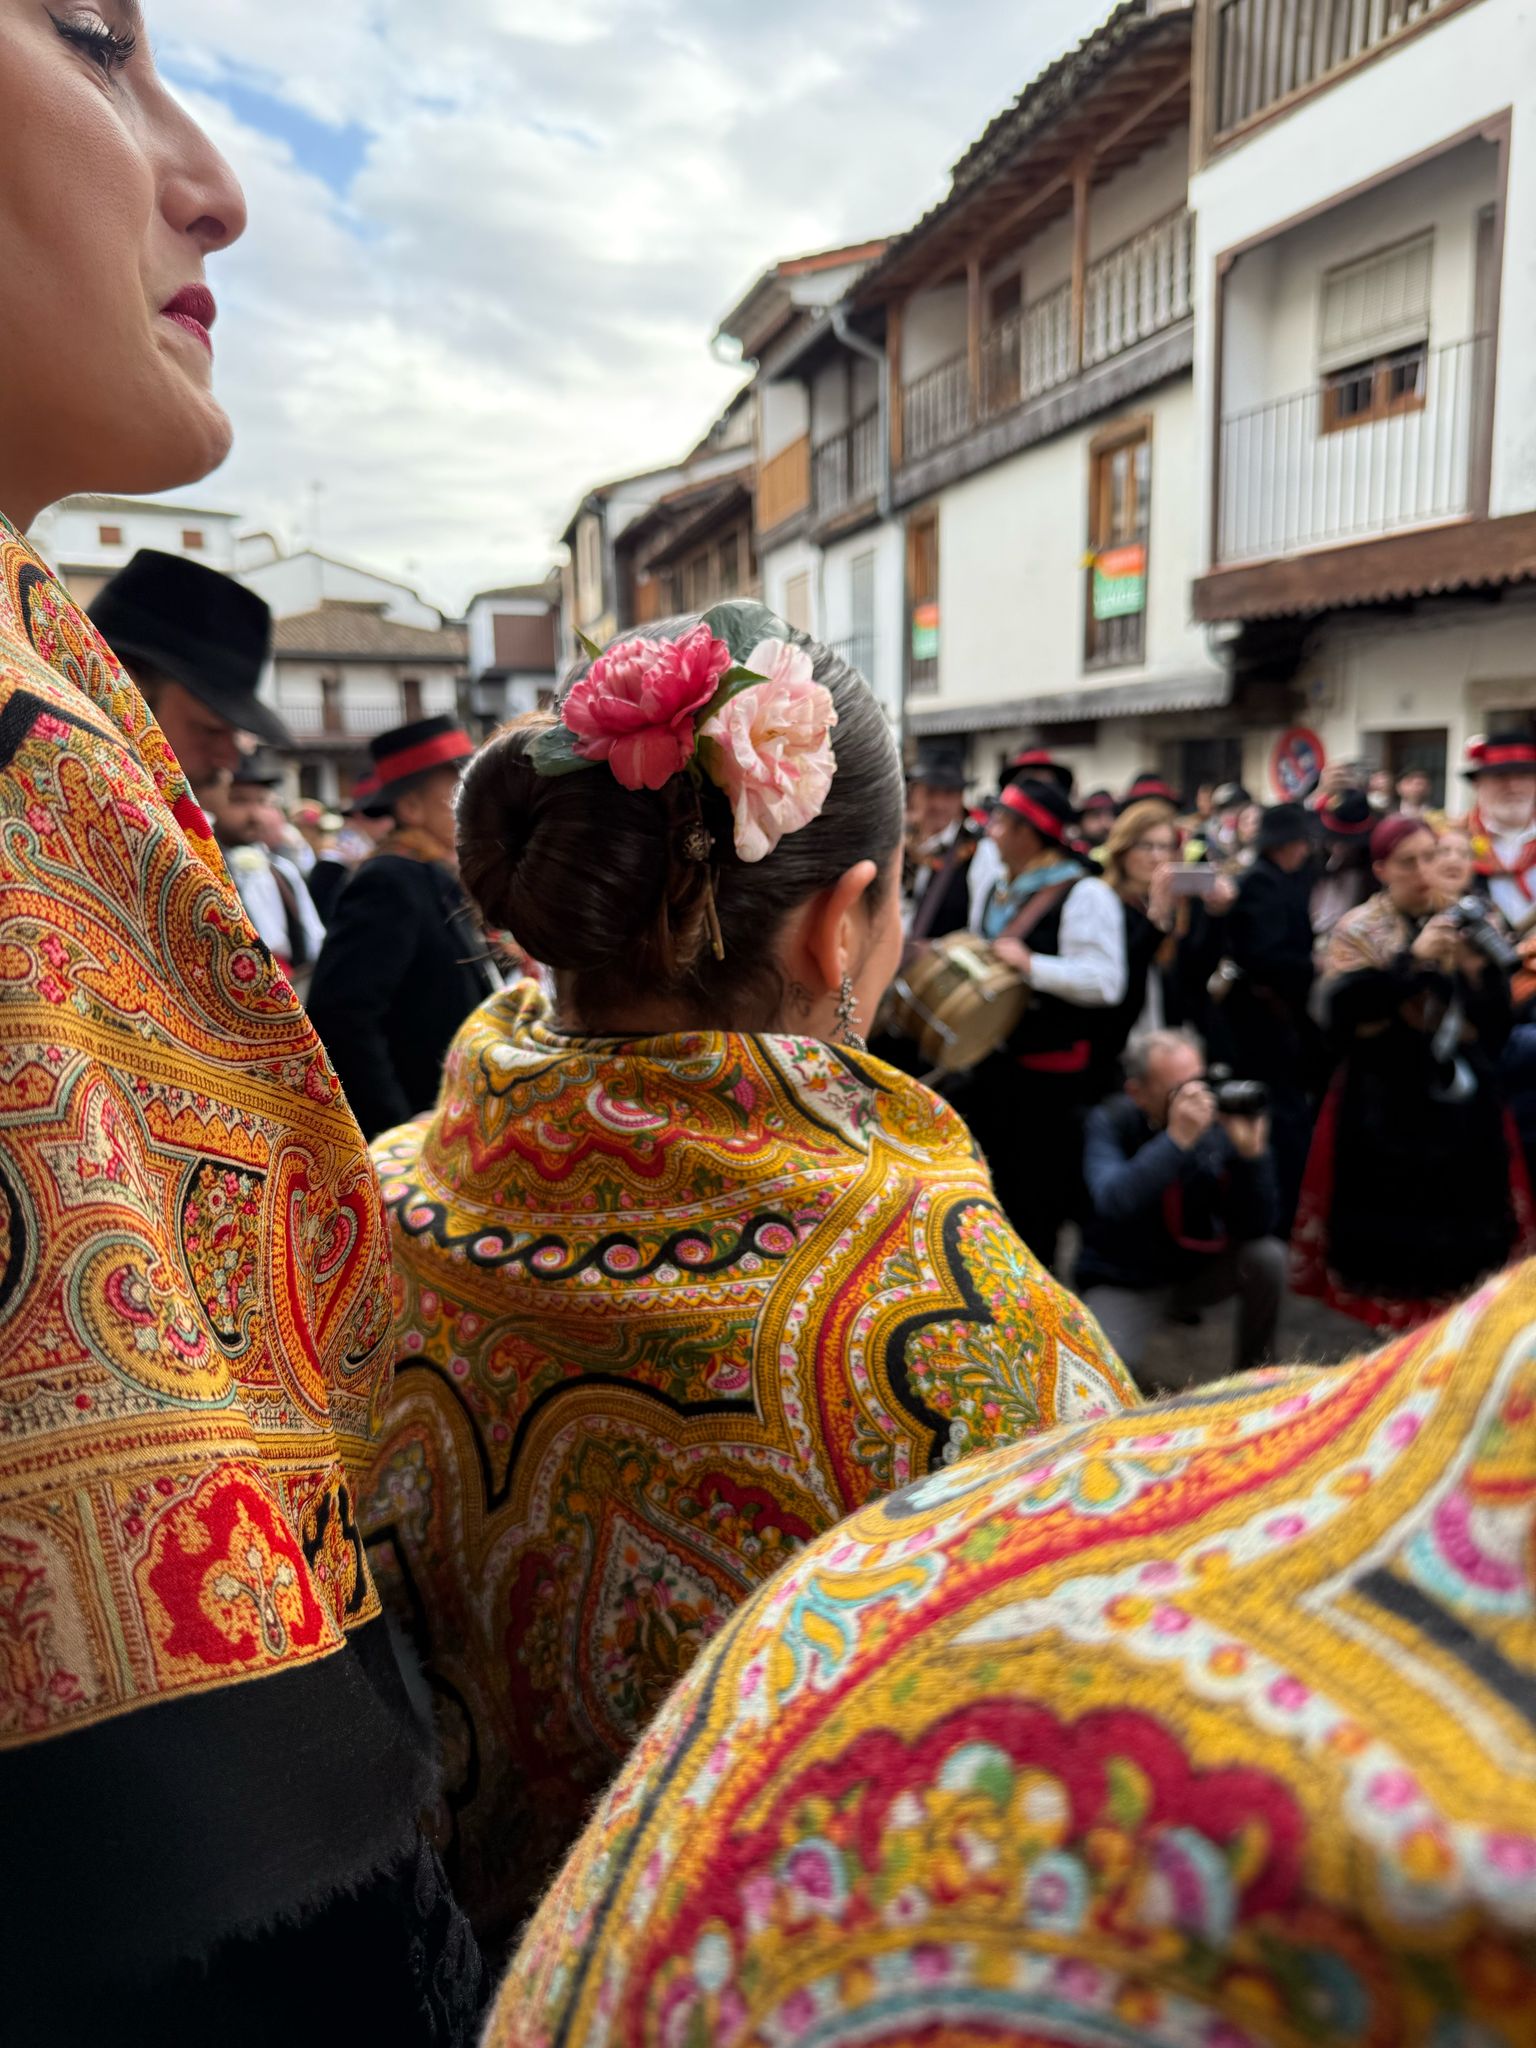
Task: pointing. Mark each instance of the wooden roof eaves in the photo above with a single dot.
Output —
(1159, 50)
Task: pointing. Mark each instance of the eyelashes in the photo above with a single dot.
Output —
(105, 47)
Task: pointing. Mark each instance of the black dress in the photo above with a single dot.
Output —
(1262, 1027)
(1420, 1205)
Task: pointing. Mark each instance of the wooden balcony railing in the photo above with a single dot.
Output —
(784, 484)
(936, 408)
(1138, 289)
(845, 468)
(1265, 50)
(1296, 473)
(1134, 291)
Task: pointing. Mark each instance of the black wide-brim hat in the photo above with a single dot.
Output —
(1285, 825)
(410, 751)
(1502, 753)
(202, 629)
(938, 769)
(1044, 807)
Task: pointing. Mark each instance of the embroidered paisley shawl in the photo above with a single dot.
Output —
(1209, 1726)
(667, 1309)
(193, 1307)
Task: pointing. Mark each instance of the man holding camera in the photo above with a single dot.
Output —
(1183, 1200)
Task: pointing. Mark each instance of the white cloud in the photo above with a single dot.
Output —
(557, 198)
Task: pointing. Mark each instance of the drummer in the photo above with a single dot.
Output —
(1063, 931)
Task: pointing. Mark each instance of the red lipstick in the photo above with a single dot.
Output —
(193, 308)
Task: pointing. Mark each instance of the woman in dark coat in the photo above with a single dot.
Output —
(1415, 1187)
(404, 960)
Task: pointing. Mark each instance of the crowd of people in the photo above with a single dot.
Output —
(1358, 959)
(654, 1530)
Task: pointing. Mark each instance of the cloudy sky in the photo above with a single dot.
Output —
(490, 239)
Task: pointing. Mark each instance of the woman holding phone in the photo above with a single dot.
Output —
(1173, 918)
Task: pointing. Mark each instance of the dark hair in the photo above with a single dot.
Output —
(592, 879)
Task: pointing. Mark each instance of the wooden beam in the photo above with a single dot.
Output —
(1143, 109)
(973, 334)
(893, 326)
(1082, 178)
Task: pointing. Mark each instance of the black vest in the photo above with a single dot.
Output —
(1051, 1026)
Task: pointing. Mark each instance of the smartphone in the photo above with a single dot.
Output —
(1195, 878)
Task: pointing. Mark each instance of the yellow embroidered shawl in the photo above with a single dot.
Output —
(192, 1314)
(1213, 1724)
(666, 1309)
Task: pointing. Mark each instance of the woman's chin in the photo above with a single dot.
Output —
(193, 439)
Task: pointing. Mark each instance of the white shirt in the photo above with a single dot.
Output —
(1088, 967)
(252, 869)
(1509, 893)
(986, 873)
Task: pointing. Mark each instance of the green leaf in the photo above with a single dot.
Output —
(741, 624)
(732, 683)
(588, 647)
(554, 753)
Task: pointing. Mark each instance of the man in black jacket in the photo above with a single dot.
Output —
(1181, 1205)
(943, 846)
(1263, 1025)
(404, 960)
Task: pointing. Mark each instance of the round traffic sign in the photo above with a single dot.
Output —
(1296, 764)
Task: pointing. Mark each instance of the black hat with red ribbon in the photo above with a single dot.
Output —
(1044, 806)
(1347, 814)
(1035, 764)
(403, 756)
(1501, 753)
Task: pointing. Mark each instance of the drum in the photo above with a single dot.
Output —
(958, 1001)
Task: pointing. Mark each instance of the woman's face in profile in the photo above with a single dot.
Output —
(111, 198)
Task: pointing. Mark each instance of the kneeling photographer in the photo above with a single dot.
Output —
(1414, 1189)
(1183, 1198)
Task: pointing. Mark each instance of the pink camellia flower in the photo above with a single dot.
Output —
(634, 707)
(770, 751)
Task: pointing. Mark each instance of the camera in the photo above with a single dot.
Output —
(1234, 1097)
(1470, 918)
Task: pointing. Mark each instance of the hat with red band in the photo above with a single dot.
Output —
(1034, 764)
(1502, 753)
(412, 750)
(1347, 814)
(1042, 806)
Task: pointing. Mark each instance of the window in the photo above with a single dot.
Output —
(410, 698)
(923, 601)
(109, 536)
(861, 613)
(797, 603)
(1373, 350)
(332, 709)
(1375, 389)
(1423, 749)
(1119, 518)
(192, 539)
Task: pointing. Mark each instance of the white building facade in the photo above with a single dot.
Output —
(86, 540)
(1365, 387)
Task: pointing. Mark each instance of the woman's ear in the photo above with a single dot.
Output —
(829, 935)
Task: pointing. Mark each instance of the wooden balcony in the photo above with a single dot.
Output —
(1266, 53)
(845, 470)
(1133, 292)
(784, 485)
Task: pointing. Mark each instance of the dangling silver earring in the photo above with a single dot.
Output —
(848, 1019)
